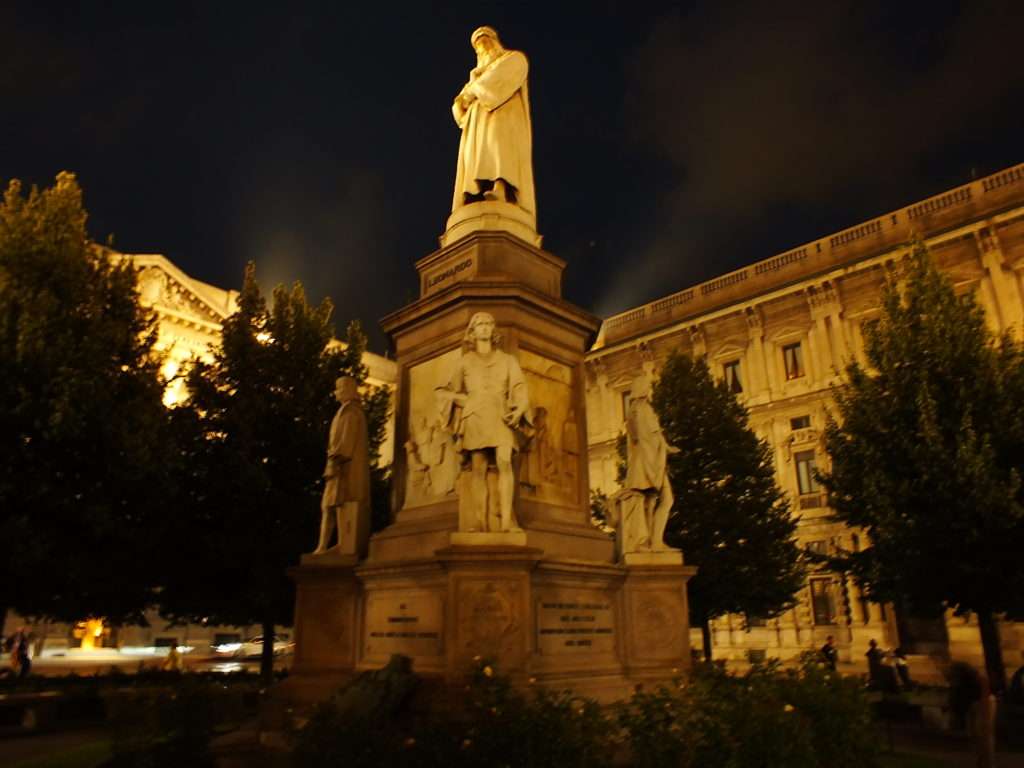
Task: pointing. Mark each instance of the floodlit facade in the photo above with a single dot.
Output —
(780, 332)
(189, 314)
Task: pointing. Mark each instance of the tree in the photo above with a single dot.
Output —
(927, 454)
(730, 518)
(254, 437)
(82, 424)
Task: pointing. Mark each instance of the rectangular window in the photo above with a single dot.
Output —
(625, 404)
(756, 621)
(805, 467)
(165, 642)
(731, 371)
(818, 547)
(800, 422)
(756, 655)
(794, 360)
(821, 602)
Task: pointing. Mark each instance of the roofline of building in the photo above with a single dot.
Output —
(883, 233)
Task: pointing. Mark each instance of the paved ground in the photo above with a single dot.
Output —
(16, 750)
(947, 749)
(102, 662)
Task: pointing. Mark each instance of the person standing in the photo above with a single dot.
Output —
(21, 658)
(902, 669)
(829, 654)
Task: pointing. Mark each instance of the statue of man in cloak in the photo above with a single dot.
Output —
(493, 111)
(345, 505)
(647, 454)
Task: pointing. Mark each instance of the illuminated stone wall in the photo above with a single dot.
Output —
(809, 304)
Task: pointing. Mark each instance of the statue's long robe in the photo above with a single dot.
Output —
(647, 451)
(496, 133)
(347, 473)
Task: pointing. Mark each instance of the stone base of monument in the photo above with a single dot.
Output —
(554, 603)
(596, 628)
(490, 216)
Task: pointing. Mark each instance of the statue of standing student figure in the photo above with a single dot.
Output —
(345, 505)
(485, 401)
(647, 490)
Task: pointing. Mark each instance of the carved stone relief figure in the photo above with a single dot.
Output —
(542, 460)
(551, 452)
(432, 461)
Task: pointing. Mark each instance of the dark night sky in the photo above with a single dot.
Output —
(672, 142)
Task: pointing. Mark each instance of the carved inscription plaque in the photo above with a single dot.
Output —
(408, 622)
(575, 623)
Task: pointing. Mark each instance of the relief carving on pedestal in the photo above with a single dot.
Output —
(657, 627)
(489, 620)
(550, 462)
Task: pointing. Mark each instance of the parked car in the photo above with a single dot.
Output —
(253, 647)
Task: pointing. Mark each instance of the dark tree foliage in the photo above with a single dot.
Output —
(253, 437)
(82, 424)
(927, 453)
(730, 518)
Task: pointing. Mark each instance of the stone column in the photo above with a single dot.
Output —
(1005, 292)
(757, 375)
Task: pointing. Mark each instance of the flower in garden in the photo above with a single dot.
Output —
(488, 672)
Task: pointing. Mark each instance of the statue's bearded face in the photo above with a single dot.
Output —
(486, 48)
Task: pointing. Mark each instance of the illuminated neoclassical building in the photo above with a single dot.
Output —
(780, 332)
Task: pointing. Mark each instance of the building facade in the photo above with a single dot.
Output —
(190, 314)
(780, 332)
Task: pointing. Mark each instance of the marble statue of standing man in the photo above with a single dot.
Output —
(486, 400)
(647, 461)
(345, 505)
(493, 111)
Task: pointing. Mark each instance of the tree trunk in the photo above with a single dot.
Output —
(267, 655)
(993, 652)
(705, 633)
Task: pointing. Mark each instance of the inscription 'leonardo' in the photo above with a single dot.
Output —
(449, 273)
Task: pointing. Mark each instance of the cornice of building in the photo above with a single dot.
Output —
(935, 218)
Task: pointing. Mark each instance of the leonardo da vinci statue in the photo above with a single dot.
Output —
(493, 111)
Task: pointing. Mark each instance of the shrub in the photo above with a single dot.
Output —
(801, 718)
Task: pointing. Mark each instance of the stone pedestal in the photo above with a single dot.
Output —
(551, 601)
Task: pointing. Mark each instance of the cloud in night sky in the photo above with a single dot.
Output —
(784, 110)
(673, 142)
